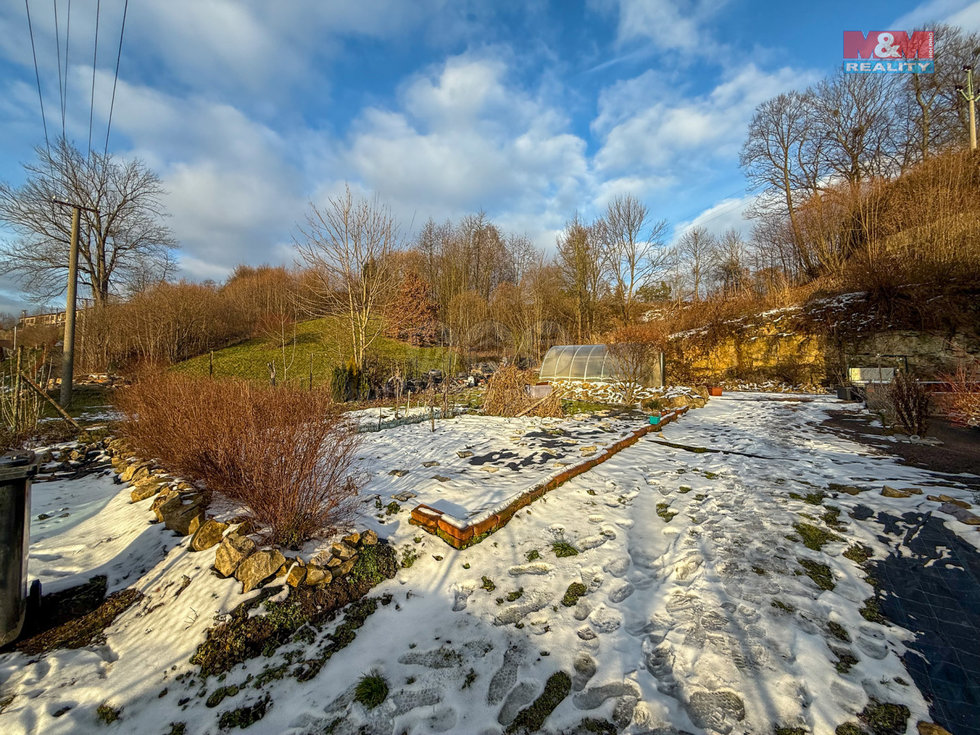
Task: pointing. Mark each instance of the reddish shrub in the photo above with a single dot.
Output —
(962, 401)
(284, 453)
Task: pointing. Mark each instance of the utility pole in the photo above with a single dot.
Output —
(971, 98)
(68, 348)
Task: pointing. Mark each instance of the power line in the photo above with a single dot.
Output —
(61, 85)
(37, 75)
(112, 104)
(95, 56)
(64, 102)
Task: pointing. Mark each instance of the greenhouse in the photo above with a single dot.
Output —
(589, 363)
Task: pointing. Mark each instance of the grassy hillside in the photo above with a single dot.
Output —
(319, 339)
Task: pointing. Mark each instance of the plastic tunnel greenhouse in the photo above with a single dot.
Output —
(588, 363)
(579, 362)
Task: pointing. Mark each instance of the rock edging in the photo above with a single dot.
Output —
(460, 534)
(182, 508)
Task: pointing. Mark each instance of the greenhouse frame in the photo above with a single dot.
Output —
(590, 363)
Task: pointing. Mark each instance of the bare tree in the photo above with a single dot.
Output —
(636, 348)
(632, 248)
(122, 243)
(730, 263)
(347, 245)
(695, 251)
(580, 265)
(781, 157)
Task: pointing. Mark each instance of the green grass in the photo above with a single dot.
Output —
(562, 548)
(323, 340)
(371, 690)
(815, 537)
(819, 573)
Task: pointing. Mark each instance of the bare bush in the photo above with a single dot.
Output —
(286, 454)
(507, 395)
(962, 401)
(637, 349)
(911, 403)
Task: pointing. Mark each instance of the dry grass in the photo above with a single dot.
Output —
(507, 395)
(285, 453)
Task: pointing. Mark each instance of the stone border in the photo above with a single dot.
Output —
(461, 534)
(182, 508)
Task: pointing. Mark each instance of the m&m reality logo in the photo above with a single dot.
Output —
(888, 52)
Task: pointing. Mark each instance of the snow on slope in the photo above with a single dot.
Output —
(678, 627)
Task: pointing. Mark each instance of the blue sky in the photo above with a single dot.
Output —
(528, 110)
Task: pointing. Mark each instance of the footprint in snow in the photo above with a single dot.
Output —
(604, 619)
(461, 594)
(538, 567)
(529, 603)
(618, 566)
(620, 593)
(506, 675)
(593, 697)
(519, 696)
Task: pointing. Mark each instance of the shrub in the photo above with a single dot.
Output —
(911, 403)
(962, 401)
(283, 452)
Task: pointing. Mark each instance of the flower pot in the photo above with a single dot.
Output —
(714, 390)
(654, 420)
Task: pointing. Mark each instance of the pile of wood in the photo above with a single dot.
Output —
(507, 395)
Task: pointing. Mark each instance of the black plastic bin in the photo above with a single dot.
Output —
(16, 471)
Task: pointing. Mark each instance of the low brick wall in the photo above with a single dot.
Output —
(460, 534)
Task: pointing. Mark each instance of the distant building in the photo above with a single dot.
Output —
(56, 318)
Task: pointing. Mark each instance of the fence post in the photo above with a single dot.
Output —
(211, 364)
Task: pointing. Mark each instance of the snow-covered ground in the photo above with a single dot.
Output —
(696, 615)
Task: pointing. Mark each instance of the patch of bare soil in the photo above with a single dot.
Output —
(956, 456)
(75, 617)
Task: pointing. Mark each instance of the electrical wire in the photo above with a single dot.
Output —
(64, 102)
(112, 104)
(61, 84)
(95, 57)
(37, 75)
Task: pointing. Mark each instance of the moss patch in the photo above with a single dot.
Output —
(885, 718)
(532, 555)
(849, 728)
(814, 537)
(245, 716)
(106, 714)
(219, 694)
(531, 719)
(575, 590)
(488, 584)
(780, 605)
(838, 631)
(819, 573)
(845, 660)
(663, 510)
(245, 635)
(515, 595)
(871, 612)
(858, 553)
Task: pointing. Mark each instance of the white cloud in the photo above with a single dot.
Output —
(464, 138)
(961, 13)
(726, 214)
(670, 24)
(675, 130)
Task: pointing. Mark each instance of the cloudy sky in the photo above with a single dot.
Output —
(528, 110)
